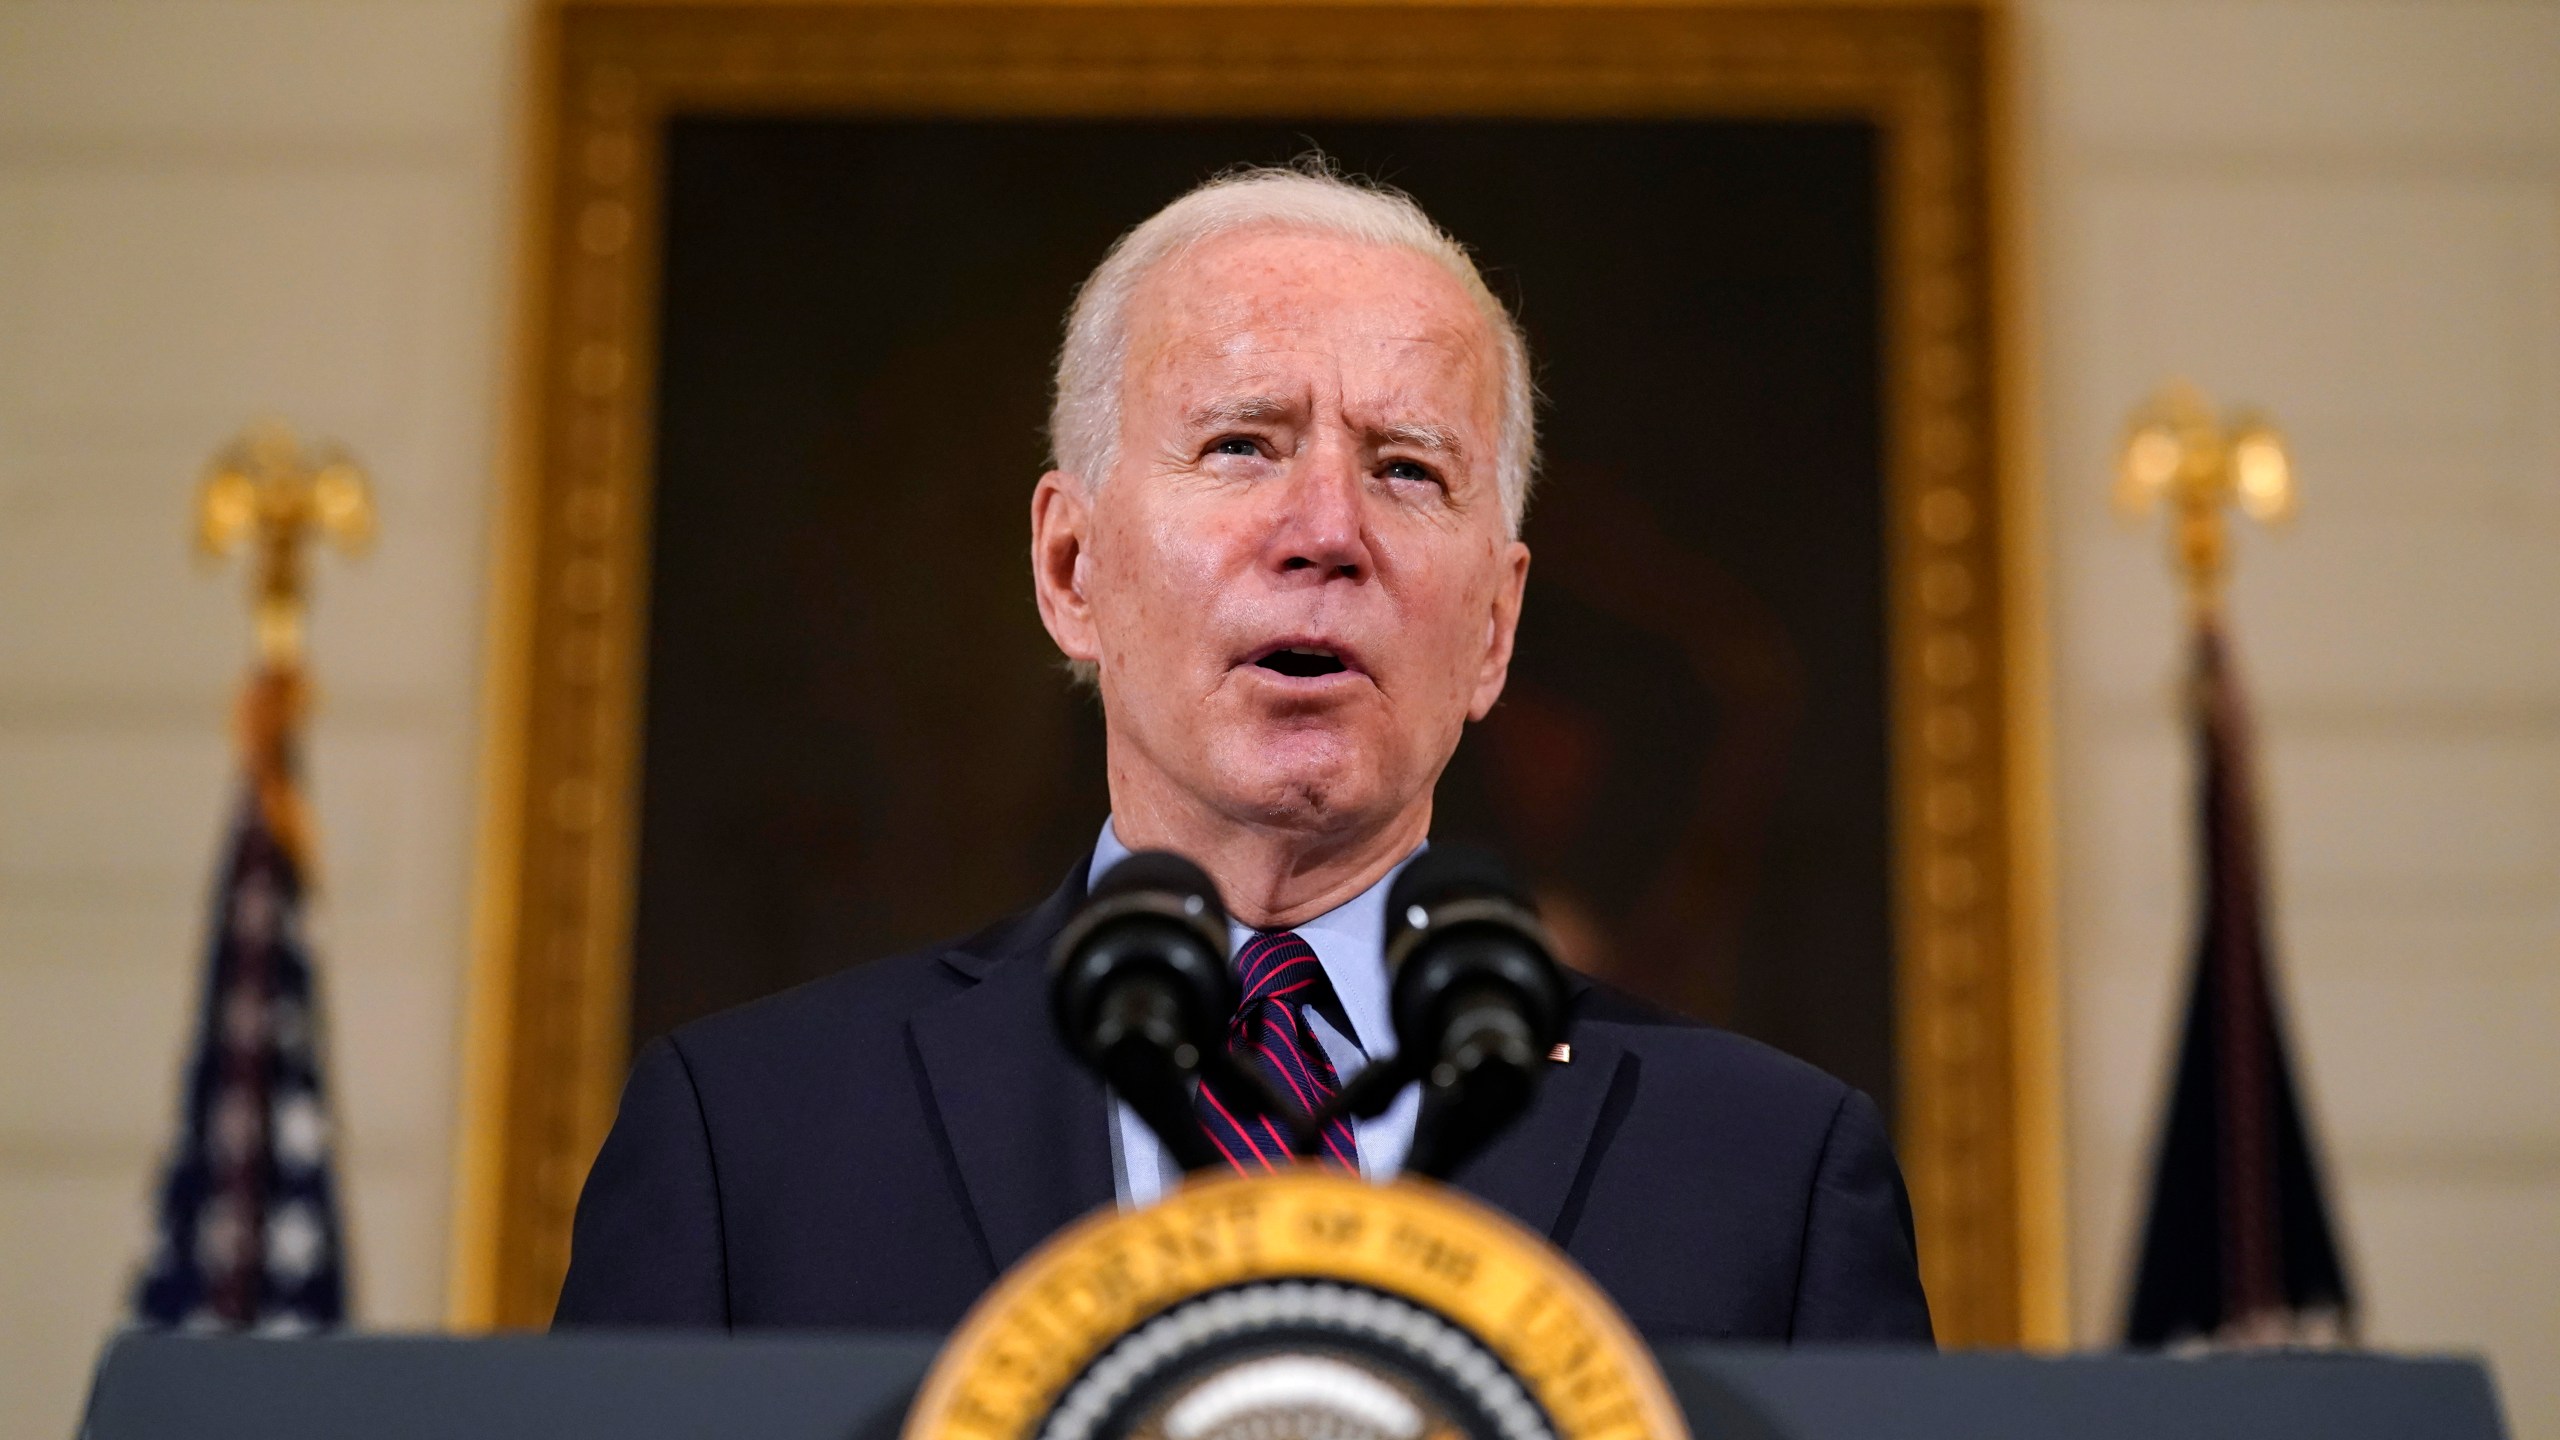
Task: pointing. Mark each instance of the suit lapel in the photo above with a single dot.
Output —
(1023, 1122)
(1530, 1169)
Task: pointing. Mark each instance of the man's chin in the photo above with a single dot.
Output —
(1293, 783)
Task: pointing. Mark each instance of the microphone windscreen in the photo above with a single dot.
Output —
(1165, 872)
(1449, 872)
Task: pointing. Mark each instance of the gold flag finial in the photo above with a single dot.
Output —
(270, 491)
(2178, 452)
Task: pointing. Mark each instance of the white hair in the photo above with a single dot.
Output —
(1084, 415)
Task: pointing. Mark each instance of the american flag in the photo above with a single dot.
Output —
(249, 1237)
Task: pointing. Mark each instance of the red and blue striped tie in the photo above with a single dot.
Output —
(1280, 976)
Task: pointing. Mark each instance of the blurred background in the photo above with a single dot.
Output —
(2346, 212)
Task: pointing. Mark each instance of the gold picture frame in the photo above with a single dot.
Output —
(1978, 1127)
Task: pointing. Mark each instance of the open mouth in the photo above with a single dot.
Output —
(1302, 663)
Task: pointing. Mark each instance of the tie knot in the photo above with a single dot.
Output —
(1271, 1039)
(1279, 967)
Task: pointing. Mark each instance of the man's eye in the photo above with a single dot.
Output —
(1410, 470)
(1236, 445)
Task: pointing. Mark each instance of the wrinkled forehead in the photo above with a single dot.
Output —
(1380, 320)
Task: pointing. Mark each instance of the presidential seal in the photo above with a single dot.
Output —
(1305, 1305)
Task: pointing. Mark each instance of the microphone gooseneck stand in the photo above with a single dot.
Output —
(1478, 1002)
(1142, 992)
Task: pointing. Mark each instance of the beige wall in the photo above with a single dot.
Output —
(208, 212)
(2348, 212)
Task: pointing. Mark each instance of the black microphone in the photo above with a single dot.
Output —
(1478, 1001)
(1141, 990)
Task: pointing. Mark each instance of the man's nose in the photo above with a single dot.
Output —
(1323, 526)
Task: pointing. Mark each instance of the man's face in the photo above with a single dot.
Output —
(1296, 579)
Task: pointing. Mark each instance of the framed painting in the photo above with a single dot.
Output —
(769, 696)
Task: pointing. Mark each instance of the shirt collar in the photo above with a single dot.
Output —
(1349, 941)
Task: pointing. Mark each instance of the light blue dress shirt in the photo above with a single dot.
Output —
(1350, 942)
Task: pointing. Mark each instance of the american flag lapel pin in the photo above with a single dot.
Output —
(1561, 1052)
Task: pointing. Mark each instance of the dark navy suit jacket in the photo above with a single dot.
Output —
(870, 1150)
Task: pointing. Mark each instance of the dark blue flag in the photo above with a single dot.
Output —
(249, 1236)
(2238, 1250)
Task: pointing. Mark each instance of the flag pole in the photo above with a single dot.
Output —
(2237, 1247)
(250, 1235)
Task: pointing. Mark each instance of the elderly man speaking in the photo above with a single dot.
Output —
(1294, 437)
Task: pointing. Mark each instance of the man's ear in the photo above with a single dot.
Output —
(1502, 626)
(1061, 531)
